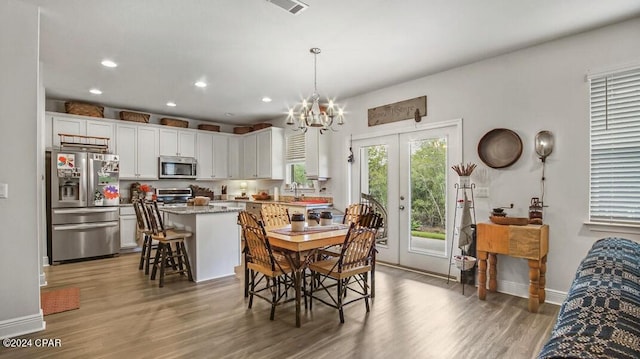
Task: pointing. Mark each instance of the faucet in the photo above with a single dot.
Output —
(294, 186)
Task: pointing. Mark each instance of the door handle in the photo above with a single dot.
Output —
(401, 208)
(402, 198)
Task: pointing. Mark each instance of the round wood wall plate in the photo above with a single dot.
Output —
(500, 148)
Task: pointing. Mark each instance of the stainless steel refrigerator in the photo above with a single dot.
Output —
(82, 205)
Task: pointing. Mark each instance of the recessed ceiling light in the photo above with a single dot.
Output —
(95, 91)
(201, 84)
(266, 99)
(108, 63)
(171, 104)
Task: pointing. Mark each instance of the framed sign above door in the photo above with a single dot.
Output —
(414, 108)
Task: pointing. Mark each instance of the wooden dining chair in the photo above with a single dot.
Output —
(348, 272)
(265, 264)
(166, 257)
(274, 215)
(246, 219)
(144, 229)
(354, 211)
(368, 219)
(373, 220)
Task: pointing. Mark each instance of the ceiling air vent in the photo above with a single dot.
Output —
(293, 6)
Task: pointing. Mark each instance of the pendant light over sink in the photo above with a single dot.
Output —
(310, 113)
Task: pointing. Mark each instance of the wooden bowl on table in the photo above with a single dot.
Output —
(201, 201)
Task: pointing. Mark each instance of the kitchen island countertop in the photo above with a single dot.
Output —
(199, 209)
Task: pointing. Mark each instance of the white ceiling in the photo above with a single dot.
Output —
(247, 49)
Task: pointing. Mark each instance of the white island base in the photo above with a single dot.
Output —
(214, 248)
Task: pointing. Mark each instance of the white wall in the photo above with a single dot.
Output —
(19, 257)
(538, 88)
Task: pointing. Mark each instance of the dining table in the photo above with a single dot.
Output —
(301, 247)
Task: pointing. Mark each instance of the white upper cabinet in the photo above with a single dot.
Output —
(234, 157)
(101, 129)
(264, 154)
(212, 156)
(250, 159)
(71, 126)
(80, 126)
(177, 143)
(220, 156)
(204, 155)
(317, 154)
(257, 155)
(138, 147)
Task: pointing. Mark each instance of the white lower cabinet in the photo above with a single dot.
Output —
(128, 228)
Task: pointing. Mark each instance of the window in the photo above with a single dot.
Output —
(295, 169)
(615, 148)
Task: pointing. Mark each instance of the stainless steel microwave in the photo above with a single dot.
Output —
(177, 167)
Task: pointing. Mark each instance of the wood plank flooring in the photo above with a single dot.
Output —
(125, 315)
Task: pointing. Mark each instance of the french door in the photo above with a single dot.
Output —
(408, 175)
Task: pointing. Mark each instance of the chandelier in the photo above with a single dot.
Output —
(310, 113)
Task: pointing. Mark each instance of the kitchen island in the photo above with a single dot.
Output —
(214, 248)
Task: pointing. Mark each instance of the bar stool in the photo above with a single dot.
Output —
(165, 257)
(147, 241)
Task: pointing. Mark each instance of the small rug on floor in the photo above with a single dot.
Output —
(60, 300)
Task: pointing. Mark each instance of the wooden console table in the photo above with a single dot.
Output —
(530, 242)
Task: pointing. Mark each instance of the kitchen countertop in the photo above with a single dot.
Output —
(295, 204)
(307, 205)
(199, 209)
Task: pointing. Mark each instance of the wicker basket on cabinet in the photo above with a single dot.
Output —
(174, 122)
(206, 127)
(84, 109)
(134, 116)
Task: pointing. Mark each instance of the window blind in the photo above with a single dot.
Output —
(296, 147)
(615, 148)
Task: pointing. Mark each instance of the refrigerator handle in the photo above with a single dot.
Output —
(73, 227)
(85, 210)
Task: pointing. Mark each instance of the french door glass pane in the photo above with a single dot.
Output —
(428, 166)
(375, 178)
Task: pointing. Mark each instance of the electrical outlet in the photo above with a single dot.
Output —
(4, 190)
(482, 192)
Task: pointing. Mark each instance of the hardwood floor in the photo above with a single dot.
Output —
(125, 315)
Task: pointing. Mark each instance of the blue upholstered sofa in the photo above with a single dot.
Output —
(600, 317)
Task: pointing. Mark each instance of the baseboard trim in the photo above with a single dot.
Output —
(23, 325)
(43, 279)
(512, 288)
(522, 290)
